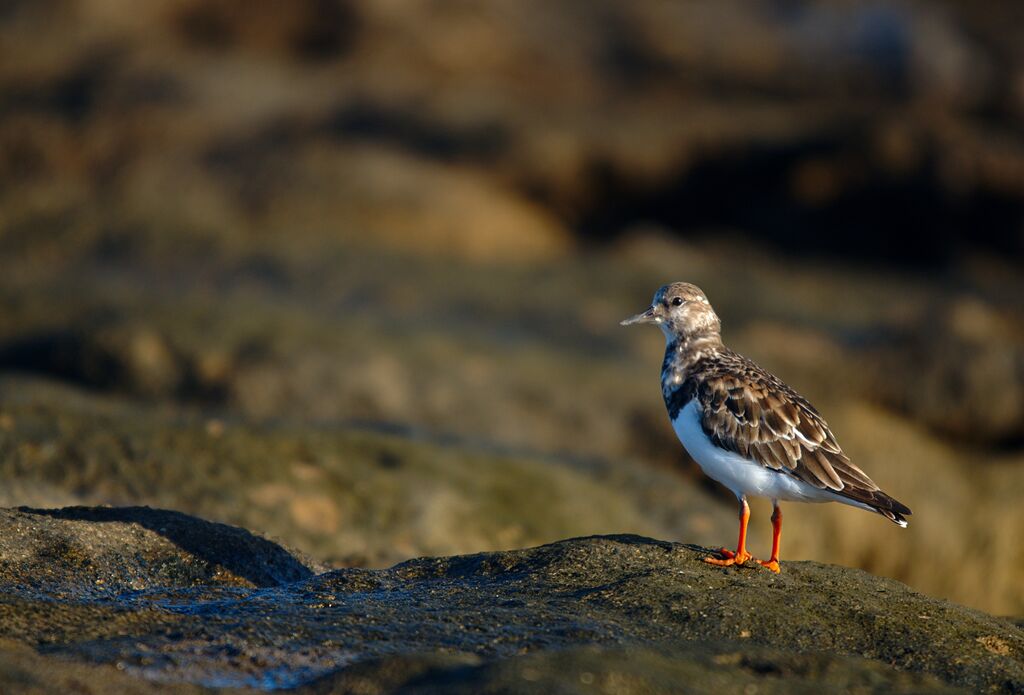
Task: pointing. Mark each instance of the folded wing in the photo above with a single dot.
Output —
(754, 414)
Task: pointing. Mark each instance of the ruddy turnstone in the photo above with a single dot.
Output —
(746, 428)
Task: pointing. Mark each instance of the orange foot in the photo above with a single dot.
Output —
(773, 565)
(729, 558)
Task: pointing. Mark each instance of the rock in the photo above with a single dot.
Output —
(960, 371)
(369, 197)
(352, 495)
(105, 550)
(23, 671)
(631, 671)
(602, 610)
(251, 229)
(129, 359)
(520, 412)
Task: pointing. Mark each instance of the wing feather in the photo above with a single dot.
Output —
(751, 412)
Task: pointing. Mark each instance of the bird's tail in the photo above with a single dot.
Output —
(876, 500)
(895, 517)
(893, 510)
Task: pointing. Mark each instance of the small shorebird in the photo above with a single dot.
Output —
(745, 427)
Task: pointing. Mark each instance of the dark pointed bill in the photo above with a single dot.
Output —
(649, 316)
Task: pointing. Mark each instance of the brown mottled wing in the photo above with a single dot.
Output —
(752, 413)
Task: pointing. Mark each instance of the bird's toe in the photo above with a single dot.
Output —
(729, 558)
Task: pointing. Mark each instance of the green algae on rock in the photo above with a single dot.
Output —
(643, 613)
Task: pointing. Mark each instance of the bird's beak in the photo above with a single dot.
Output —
(649, 316)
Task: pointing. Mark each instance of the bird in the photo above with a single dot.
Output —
(745, 427)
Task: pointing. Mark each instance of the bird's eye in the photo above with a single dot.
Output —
(678, 301)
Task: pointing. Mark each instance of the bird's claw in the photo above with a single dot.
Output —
(729, 558)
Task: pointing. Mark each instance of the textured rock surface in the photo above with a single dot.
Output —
(134, 548)
(233, 233)
(350, 495)
(625, 613)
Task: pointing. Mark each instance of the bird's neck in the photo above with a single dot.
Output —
(682, 352)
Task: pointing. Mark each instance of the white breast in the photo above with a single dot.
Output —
(742, 476)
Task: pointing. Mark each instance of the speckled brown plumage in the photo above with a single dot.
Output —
(749, 411)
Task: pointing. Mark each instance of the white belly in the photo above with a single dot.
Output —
(741, 475)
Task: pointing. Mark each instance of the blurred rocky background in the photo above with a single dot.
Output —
(348, 273)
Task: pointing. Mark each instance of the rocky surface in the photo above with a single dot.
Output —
(134, 548)
(346, 494)
(606, 613)
(349, 272)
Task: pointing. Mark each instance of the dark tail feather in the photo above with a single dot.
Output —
(893, 510)
(895, 517)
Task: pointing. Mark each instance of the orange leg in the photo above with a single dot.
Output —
(773, 564)
(741, 555)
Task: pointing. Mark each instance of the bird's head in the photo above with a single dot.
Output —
(681, 311)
